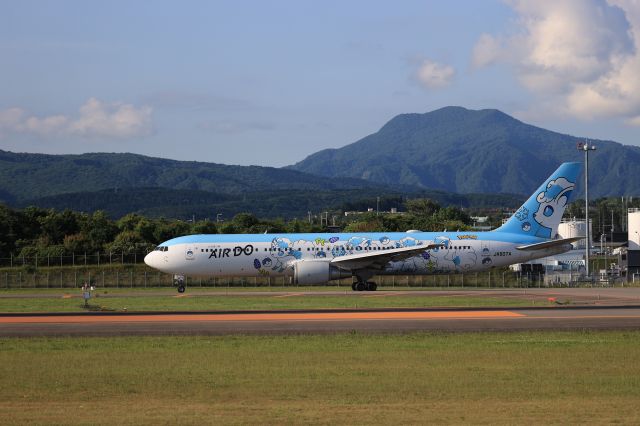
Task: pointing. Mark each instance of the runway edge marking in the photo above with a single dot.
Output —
(261, 317)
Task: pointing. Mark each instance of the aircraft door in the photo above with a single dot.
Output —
(190, 253)
(486, 253)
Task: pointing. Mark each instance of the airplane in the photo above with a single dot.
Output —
(317, 258)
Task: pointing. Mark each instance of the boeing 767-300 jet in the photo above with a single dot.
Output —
(531, 233)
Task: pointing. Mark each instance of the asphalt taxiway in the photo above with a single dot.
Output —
(320, 321)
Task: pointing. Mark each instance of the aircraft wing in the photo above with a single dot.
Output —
(549, 244)
(379, 258)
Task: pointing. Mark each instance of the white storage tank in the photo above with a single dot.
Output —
(634, 229)
(570, 228)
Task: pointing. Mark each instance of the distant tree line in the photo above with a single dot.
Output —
(421, 214)
(47, 232)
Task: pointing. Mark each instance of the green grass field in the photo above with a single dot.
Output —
(167, 300)
(417, 378)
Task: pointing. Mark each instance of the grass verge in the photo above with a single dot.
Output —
(483, 378)
(108, 300)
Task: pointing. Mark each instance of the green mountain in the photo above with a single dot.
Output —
(30, 176)
(125, 183)
(452, 155)
(459, 150)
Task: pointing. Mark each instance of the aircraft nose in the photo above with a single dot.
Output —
(149, 259)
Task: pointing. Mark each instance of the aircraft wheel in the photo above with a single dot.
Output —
(181, 289)
(371, 286)
(361, 286)
(353, 286)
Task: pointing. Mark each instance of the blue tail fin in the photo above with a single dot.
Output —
(541, 214)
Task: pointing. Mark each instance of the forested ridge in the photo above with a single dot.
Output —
(186, 204)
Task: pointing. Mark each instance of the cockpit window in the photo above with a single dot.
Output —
(161, 248)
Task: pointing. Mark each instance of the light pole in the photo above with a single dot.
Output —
(586, 147)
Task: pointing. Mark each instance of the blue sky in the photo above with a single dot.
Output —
(268, 83)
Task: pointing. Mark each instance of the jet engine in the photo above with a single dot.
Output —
(307, 272)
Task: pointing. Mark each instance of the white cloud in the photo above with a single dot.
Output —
(112, 120)
(487, 50)
(11, 117)
(95, 119)
(433, 75)
(579, 55)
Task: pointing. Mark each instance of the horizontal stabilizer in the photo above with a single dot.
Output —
(549, 244)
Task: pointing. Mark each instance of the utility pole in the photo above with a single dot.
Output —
(586, 147)
(624, 214)
(324, 219)
(605, 259)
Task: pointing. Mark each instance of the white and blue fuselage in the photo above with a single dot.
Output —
(275, 254)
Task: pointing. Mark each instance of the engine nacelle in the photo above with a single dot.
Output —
(307, 272)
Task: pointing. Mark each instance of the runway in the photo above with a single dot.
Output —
(320, 321)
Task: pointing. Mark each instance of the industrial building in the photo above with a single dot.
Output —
(632, 264)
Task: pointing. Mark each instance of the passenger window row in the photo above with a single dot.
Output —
(328, 248)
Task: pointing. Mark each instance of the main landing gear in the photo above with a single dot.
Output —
(361, 281)
(364, 286)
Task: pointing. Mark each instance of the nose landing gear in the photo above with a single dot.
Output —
(178, 280)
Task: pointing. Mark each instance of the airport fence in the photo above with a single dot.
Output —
(141, 276)
(74, 259)
(116, 270)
